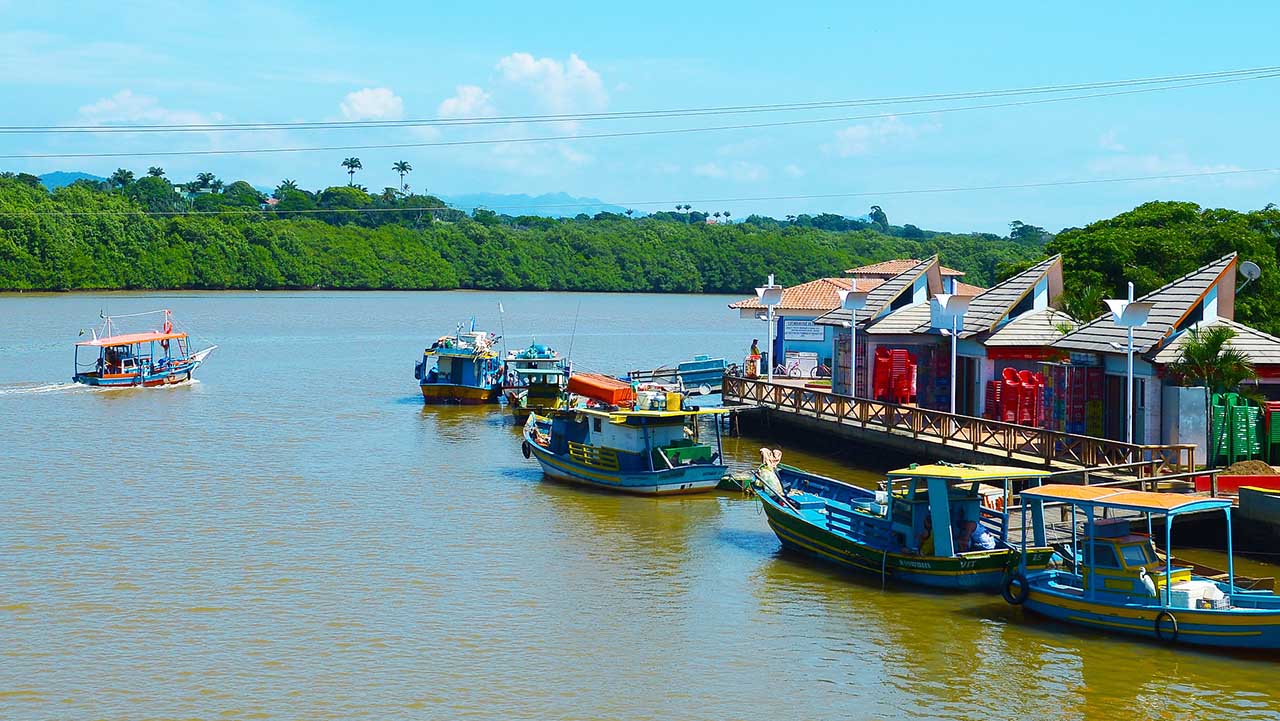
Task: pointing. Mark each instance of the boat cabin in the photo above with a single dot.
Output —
(630, 441)
(948, 510)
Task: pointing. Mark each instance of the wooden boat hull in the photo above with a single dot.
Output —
(460, 394)
(176, 373)
(1236, 628)
(984, 571)
(697, 478)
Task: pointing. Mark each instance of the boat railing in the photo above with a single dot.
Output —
(857, 526)
(587, 455)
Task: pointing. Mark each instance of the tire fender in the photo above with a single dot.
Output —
(1015, 589)
(524, 448)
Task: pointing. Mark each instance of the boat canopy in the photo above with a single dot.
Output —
(966, 473)
(1119, 498)
(131, 339)
(538, 371)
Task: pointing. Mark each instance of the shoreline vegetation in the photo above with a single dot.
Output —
(149, 234)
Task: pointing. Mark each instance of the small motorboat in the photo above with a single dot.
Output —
(642, 442)
(1117, 582)
(934, 525)
(460, 368)
(146, 359)
(536, 378)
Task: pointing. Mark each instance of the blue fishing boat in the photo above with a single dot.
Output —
(1118, 583)
(460, 368)
(935, 525)
(536, 378)
(652, 448)
(146, 359)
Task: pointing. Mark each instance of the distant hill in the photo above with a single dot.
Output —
(60, 178)
(553, 205)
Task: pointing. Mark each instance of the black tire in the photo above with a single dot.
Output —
(1015, 589)
(1173, 627)
(524, 448)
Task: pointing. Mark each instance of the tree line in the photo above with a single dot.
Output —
(144, 232)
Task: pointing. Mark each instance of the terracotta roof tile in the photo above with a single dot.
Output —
(890, 268)
(816, 295)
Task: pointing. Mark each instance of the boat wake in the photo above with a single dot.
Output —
(24, 389)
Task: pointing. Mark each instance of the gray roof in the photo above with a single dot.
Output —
(1258, 347)
(1037, 328)
(884, 294)
(902, 321)
(989, 307)
(1172, 303)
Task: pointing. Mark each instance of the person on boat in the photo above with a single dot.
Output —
(982, 539)
(924, 541)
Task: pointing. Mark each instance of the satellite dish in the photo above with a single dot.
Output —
(1250, 270)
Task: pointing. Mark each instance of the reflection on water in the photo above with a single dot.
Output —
(297, 537)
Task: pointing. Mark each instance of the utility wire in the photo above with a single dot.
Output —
(619, 134)
(624, 115)
(702, 201)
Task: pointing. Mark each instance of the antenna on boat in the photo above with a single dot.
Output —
(574, 334)
(502, 327)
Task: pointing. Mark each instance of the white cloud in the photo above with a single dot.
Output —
(468, 101)
(1110, 141)
(372, 104)
(1135, 165)
(562, 87)
(740, 171)
(793, 170)
(127, 106)
(865, 137)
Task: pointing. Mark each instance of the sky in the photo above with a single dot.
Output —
(240, 62)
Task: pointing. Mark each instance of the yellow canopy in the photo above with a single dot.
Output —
(967, 472)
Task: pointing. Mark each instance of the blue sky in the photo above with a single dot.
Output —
(78, 63)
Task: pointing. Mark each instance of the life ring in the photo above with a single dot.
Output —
(1173, 627)
(524, 448)
(1015, 597)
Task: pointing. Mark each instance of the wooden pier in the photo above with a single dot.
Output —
(938, 434)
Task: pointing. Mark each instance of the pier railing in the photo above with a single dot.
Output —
(1016, 442)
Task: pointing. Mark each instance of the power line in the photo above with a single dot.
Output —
(625, 115)
(704, 201)
(619, 134)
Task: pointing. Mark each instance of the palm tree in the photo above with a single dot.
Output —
(629, 211)
(389, 195)
(402, 167)
(716, 215)
(205, 179)
(121, 177)
(352, 165)
(216, 186)
(791, 218)
(726, 216)
(284, 186)
(1208, 360)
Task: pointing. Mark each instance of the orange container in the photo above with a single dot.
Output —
(602, 388)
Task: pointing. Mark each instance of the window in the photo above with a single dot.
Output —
(595, 424)
(1137, 554)
(1026, 305)
(1103, 556)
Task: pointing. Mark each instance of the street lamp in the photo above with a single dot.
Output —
(770, 295)
(853, 300)
(1129, 314)
(946, 315)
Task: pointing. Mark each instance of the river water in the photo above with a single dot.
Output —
(296, 537)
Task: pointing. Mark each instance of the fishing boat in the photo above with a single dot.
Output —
(460, 368)
(642, 442)
(1118, 583)
(535, 381)
(145, 359)
(934, 525)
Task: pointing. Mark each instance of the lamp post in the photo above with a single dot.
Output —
(1129, 314)
(853, 300)
(770, 295)
(946, 315)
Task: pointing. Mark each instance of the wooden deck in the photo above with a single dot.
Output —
(1022, 445)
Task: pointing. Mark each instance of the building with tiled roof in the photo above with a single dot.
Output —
(886, 269)
(816, 295)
